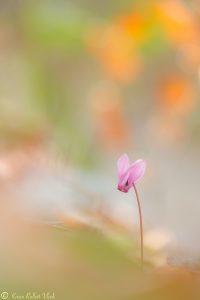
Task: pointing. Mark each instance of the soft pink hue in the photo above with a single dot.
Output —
(129, 174)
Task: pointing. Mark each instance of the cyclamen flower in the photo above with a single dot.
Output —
(129, 174)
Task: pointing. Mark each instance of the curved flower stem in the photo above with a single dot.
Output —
(141, 225)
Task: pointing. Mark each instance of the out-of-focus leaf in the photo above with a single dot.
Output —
(55, 26)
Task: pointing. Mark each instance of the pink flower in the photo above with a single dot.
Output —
(129, 174)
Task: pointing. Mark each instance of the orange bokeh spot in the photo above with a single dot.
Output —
(177, 20)
(115, 50)
(107, 108)
(134, 24)
(177, 95)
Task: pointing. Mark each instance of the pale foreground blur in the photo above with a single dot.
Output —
(57, 238)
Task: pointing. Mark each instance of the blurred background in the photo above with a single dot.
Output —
(82, 82)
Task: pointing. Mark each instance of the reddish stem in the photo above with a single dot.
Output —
(141, 226)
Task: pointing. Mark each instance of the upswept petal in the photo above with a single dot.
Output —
(122, 165)
(136, 171)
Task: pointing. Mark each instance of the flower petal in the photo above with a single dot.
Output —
(123, 184)
(136, 171)
(122, 164)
